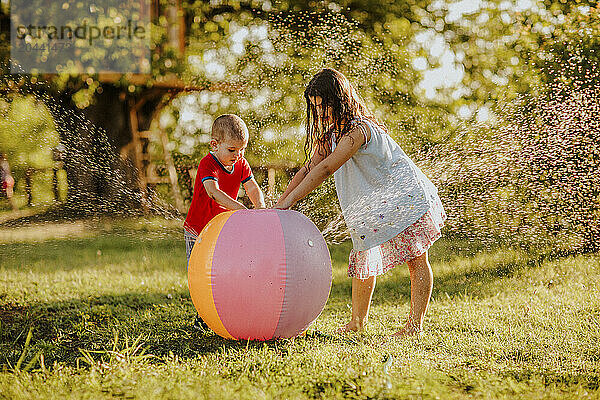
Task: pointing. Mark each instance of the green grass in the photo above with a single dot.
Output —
(100, 309)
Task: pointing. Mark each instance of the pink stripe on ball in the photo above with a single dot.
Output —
(248, 291)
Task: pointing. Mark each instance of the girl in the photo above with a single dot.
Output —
(391, 209)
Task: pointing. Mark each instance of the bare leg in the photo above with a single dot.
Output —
(362, 291)
(421, 285)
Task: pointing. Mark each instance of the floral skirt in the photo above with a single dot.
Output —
(408, 244)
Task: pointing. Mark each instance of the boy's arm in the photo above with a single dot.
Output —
(222, 198)
(254, 193)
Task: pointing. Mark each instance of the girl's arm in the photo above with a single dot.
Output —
(345, 149)
(222, 198)
(318, 155)
(254, 193)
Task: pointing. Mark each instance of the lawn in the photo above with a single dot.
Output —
(100, 309)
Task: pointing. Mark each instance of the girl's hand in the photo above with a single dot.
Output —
(278, 202)
(283, 204)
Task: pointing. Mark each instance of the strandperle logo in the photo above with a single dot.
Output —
(80, 36)
(84, 31)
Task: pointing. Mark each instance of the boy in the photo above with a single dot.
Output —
(218, 180)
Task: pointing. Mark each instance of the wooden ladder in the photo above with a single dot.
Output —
(146, 167)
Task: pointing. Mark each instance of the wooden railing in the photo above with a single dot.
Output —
(265, 174)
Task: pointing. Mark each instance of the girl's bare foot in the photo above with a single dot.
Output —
(410, 329)
(351, 326)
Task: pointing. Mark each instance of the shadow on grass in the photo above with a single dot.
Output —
(475, 279)
(163, 322)
(53, 213)
(81, 253)
(66, 212)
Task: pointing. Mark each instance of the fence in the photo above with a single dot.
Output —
(266, 175)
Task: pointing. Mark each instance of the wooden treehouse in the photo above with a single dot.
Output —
(127, 117)
(145, 107)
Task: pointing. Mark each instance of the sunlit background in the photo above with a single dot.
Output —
(494, 100)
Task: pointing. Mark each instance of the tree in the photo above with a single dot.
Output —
(280, 49)
(530, 176)
(562, 133)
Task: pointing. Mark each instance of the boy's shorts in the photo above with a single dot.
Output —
(190, 239)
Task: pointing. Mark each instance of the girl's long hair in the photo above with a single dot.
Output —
(336, 92)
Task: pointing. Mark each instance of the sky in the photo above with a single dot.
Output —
(450, 72)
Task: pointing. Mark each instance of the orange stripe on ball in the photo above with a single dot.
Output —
(200, 274)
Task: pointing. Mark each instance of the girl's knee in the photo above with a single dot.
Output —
(419, 262)
(370, 280)
(419, 259)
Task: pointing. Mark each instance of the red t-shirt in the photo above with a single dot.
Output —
(203, 208)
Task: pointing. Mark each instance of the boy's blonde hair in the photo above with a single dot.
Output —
(229, 126)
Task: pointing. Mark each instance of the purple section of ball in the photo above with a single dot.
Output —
(308, 274)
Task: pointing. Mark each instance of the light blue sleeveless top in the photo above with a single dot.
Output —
(381, 191)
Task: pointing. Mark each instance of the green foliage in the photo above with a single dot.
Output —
(502, 45)
(27, 133)
(260, 61)
(555, 135)
(571, 56)
(561, 133)
(72, 38)
(529, 177)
